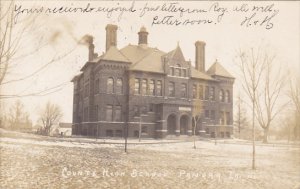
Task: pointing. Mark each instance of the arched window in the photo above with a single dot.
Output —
(119, 87)
(221, 95)
(227, 96)
(110, 85)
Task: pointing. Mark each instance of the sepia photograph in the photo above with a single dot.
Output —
(149, 94)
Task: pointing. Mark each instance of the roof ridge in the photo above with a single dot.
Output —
(124, 55)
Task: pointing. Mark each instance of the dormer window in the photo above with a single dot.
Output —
(178, 70)
(172, 71)
(183, 72)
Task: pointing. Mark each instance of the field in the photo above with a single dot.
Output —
(31, 161)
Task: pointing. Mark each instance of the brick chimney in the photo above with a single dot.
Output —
(91, 49)
(111, 36)
(143, 36)
(200, 56)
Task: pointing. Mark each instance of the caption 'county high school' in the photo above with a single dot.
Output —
(150, 91)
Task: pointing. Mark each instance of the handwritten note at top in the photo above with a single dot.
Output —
(249, 15)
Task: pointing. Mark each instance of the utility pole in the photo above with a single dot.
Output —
(140, 128)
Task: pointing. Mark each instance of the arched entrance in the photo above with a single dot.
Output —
(184, 122)
(171, 124)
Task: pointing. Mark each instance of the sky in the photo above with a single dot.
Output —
(61, 33)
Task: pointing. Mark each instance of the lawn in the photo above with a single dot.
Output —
(31, 161)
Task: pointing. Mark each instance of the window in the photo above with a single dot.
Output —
(228, 134)
(151, 87)
(110, 85)
(144, 86)
(206, 92)
(109, 113)
(143, 109)
(201, 92)
(194, 91)
(137, 86)
(183, 90)
(118, 113)
(221, 95)
(119, 86)
(207, 113)
(184, 73)
(213, 115)
(227, 118)
(109, 133)
(86, 114)
(227, 96)
(96, 113)
(136, 110)
(171, 71)
(177, 72)
(212, 93)
(207, 130)
(97, 86)
(151, 107)
(144, 129)
(171, 89)
(86, 90)
(159, 88)
(119, 133)
(222, 120)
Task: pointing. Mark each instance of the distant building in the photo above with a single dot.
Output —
(148, 89)
(62, 129)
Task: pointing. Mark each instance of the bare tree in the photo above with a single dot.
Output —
(197, 114)
(17, 117)
(11, 35)
(294, 95)
(252, 70)
(267, 104)
(49, 116)
(14, 34)
(263, 87)
(241, 121)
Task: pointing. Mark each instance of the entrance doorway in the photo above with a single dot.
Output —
(171, 124)
(184, 121)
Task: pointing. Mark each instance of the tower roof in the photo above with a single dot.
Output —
(218, 70)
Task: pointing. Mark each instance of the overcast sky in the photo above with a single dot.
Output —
(223, 38)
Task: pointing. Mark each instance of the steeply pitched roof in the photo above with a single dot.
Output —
(113, 54)
(176, 54)
(144, 58)
(86, 65)
(219, 70)
(76, 77)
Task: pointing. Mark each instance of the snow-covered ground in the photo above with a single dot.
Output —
(31, 161)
